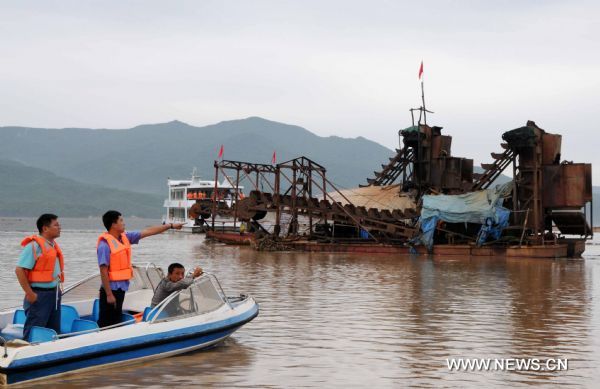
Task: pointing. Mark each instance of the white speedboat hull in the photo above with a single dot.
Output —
(131, 342)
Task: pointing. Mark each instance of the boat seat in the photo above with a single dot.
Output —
(41, 334)
(68, 314)
(12, 331)
(80, 325)
(96, 310)
(19, 317)
(146, 313)
(127, 318)
(148, 317)
(15, 330)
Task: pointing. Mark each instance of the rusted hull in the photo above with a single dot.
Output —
(231, 238)
(575, 247)
(488, 251)
(349, 248)
(547, 251)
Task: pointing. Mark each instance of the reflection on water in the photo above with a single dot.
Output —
(362, 320)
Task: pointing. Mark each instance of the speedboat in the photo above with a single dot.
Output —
(190, 319)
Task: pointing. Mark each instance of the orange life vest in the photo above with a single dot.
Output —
(43, 270)
(119, 268)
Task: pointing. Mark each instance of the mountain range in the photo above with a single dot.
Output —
(141, 158)
(82, 172)
(28, 191)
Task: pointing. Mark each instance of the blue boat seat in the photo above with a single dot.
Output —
(68, 314)
(19, 317)
(41, 334)
(96, 310)
(148, 317)
(80, 325)
(127, 318)
(146, 313)
(12, 331)
(96, 313)
(15, 330)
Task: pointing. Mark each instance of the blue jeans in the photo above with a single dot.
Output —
(42, 312)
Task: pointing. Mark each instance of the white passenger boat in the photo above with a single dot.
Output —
(197, 193)
(191, 319)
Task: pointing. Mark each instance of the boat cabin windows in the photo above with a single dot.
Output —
(177, 194)
(176, 213)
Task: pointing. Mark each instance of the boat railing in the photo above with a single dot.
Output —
(144, 269)
(147, 266)
(76, 284)
(223, 295)
(220, 288)
(69, 334)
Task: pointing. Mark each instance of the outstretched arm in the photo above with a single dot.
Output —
(154, 230)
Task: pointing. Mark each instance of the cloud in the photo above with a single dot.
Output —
(347, 68)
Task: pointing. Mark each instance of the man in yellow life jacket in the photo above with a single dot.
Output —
(39, 271)
(114, 259)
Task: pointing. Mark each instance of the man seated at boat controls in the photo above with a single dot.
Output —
(173, 282)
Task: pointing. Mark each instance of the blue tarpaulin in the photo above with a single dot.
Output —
(472, 207)
(482, 207)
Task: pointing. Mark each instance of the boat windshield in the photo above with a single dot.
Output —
(144, 277)
(201, 297)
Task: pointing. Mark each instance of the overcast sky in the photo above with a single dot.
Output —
(346, 68)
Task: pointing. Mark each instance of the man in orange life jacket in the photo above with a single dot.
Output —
(114, 260)
(39, 270)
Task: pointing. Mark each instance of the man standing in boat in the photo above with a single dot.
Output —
(114, 260)
(39, 270)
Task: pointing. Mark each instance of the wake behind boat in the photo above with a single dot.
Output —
(191, 319)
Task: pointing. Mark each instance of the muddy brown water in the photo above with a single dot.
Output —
(347, 320)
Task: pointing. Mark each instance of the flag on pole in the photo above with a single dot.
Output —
(221, 152)
(421, 70)
(274, 158)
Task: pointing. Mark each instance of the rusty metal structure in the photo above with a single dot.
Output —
(550, 201)
(547, 193)
(302, 204)
(425, 163)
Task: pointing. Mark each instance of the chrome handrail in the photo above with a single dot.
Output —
(85, 279)
(124, 323)
(146, 266)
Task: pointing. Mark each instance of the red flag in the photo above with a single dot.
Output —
(421, 70)
(274, 158)
(221, 152)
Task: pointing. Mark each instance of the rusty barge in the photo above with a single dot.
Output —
(424, 200)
